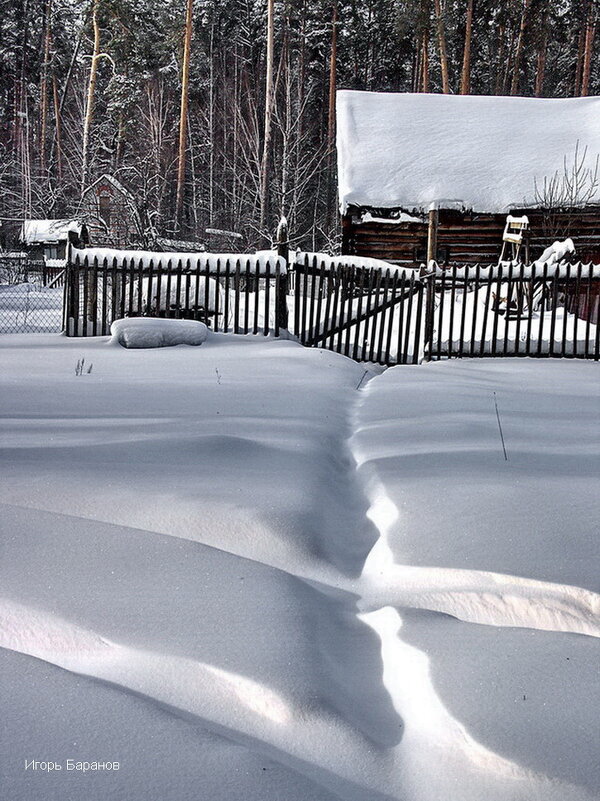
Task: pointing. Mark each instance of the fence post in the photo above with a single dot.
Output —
(283, 250)
(429, 312)
(67, 289)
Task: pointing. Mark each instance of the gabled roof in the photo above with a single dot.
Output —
(49, 232)
(116, 184)
(484, 153)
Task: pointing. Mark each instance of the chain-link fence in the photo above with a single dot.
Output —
(31, 300)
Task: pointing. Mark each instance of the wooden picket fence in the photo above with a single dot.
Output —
(403, 317)
(237, 294)
(392, 316)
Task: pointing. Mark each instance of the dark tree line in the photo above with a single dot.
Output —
(237, 127)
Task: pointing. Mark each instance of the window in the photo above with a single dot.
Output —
(104, 204)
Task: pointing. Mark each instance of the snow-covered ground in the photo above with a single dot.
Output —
(232, 572)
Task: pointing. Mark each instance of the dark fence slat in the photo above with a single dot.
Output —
(267, 295)
(418, 320)
(390, 322)
(236, 304)
(520, 297)
(495, 306)
(563, 349)
(351, 290)
(336, 306)
(509, 293)
(318, 326)
(328, 289)
(104, 305)
(382, 322)
(226, 289)
(302, 332)
(463, 318)
(312, 323)
(475, 293)
(278, 294)
(405, 353)
(357, 347)
(297, 299)
(452, 309)
(365, 339)
(554, 300)
(255, 287)
(588, 310)
(247, 297)
(576, 308)
(217, 285)
(440, 316)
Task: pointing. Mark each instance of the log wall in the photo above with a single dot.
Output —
(466, 237)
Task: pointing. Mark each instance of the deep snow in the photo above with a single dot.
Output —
(234, 573)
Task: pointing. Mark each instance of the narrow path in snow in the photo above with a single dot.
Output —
(432, 735)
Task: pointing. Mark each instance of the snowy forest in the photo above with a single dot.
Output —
(221, 113)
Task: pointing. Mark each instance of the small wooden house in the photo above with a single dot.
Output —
(408, 163)
(48, 239)
(111, 214)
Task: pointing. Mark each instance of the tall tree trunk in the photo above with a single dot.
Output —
(57, 126)
(514, 86)
(441, 35)
(44, 87)
(425, 59)
(211, 125)
(269, 98)
(422, 34)
(465, 79)
(540, 69)
(332, 79)
(183, 115)
(89, 108)
(21, 121)
(579, 63)
(590, 33)
(331, 211)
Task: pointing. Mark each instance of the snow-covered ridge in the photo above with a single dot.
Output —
(263, 263)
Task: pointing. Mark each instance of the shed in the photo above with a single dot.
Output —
(474, 160)
(47, 239)
(111, 213)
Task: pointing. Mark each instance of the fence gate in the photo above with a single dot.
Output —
(363, 313)
(404, 317)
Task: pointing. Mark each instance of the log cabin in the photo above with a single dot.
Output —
(435, 176)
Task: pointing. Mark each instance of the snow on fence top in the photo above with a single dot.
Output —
(515, 271)
(255, 264)
(484, 153)
(360, 262)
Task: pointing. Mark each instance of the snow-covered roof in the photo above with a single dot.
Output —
(106, 178)
(484, 153)
(35, 232)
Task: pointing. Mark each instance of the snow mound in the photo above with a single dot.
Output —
(148, 332)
